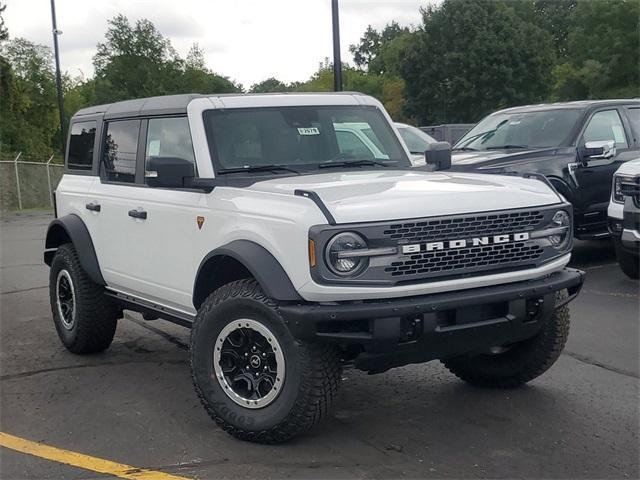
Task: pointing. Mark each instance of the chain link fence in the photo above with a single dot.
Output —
(27, 183)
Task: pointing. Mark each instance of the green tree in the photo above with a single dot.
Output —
(471, 57)
(376, 51)
(137, 61)
(28, 115)
(386, 88)
(603, 52)
(270, 85)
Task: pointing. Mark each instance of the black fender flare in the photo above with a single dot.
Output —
(262, 265)
(71, 228)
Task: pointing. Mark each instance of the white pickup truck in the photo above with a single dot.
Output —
(252, 220)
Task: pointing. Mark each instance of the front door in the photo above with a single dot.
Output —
(143, 235)
(594, 179)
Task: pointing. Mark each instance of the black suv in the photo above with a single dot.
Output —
(576, 145)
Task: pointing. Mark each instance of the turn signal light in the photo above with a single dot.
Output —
(312, 253)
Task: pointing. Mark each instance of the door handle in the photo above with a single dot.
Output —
(138, 214)
(94, 207)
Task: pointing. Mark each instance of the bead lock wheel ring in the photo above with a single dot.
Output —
(66, 299)
(249, 363)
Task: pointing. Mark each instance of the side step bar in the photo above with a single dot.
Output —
(151, 309)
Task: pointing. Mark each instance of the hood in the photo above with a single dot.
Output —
(370, 196)
(632, 167)
(469, 160)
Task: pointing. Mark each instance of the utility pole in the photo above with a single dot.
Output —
(337, 62)
(57, 32)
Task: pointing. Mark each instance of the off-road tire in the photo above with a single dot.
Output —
(95, 314)
(629, 263)
(312, 375)
(523, 361)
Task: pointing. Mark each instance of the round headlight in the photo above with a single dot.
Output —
(337, 254)
(560, 219)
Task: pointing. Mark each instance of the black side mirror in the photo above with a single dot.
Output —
(438, 154)
(168, 172)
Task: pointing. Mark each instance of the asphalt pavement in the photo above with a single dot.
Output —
(134, 404)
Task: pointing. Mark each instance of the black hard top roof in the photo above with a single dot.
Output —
(169, 104)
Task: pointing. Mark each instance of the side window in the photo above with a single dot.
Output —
(81, 141)
(169, 137)
(606, 125)
(634, 118)
(351, 145)
(119, 151)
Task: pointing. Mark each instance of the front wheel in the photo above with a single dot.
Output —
(513, 365)
(254, 379)
(629, 263)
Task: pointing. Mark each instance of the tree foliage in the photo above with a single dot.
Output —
(603, 50)
(28, 115)
(471, 57)
(138, 61)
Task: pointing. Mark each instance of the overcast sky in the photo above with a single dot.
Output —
(246, 40)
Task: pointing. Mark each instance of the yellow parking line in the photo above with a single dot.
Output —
(82, 461)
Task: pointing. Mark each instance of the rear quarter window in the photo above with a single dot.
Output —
(81, 144)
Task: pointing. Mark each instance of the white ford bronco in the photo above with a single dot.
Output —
(291, 249)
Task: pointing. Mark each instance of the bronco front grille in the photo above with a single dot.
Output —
(434, 248)
(453, 261)
(468, 226)
(466, 258)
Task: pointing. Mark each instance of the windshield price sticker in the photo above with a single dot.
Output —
(309, 131)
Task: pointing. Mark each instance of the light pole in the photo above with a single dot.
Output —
(57, 32)
(337, 62)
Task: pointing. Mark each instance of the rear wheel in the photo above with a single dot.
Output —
(629, 263)
(84, 317)
(513, 365)
(254, 379)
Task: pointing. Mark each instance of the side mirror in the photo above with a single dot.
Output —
(168, 172)
(438, 154)
(597, 150)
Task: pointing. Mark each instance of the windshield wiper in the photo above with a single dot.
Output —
(352, 163)
(257, 168)
(465, 149)
(506, 147)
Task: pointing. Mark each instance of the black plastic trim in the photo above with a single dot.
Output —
(261, 264)
(77, 231)
(315, 198)
(304, 318)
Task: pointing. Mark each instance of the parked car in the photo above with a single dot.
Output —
(624, 217)
(416, 140)
(244, 218)
(358, 140)
(576, 145)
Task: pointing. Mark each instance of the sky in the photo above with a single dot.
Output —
(245, 40)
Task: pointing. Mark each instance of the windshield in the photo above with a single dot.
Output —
(301, 138)
(417, 141)
(549, 128)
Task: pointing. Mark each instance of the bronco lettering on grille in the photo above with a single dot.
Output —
(463, 243)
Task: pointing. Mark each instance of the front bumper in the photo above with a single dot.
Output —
(627, 230)
(396, 332)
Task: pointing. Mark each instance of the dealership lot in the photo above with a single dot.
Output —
(135, 404)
